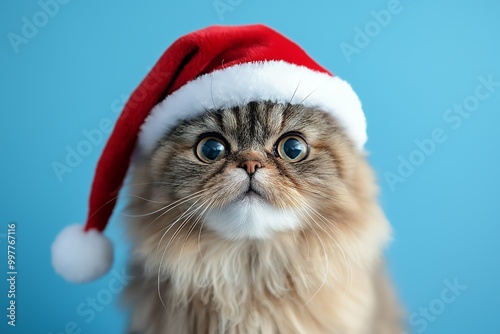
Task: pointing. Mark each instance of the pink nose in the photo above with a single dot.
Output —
(250, 166)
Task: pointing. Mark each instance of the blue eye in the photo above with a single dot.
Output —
(210, 149)
(293, 148)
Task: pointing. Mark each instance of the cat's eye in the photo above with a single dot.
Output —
(211, 149)
(293, 148)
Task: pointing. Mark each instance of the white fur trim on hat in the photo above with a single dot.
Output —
(81, 256)
(275, 81)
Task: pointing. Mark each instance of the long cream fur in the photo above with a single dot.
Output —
(327, 276)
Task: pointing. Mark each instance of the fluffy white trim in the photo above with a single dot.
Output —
(276, 81)
(81, 256)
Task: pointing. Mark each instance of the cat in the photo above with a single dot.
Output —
(262, 218)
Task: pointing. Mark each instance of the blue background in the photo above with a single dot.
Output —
(446, 214)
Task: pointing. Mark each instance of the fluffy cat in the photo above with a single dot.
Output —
(261, 218)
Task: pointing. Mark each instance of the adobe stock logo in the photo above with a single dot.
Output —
(96, 136)
(364, 36)
(454, 117)
(89, 309)
(31, 26)
(92, 139)
(420, 319)
(223, 6)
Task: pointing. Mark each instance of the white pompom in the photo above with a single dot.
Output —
(81, 256)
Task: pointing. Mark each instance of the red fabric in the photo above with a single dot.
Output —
(187, 58)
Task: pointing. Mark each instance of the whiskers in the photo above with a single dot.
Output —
(194, 214)
(320, 225)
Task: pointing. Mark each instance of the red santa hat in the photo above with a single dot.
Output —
(213, 68)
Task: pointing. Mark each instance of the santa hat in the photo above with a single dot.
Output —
(213, 68)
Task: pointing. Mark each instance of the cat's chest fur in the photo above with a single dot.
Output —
(254, 287)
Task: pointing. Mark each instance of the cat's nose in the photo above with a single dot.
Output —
(250, 166)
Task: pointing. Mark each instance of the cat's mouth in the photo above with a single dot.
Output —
(252, 193)
(251, 214)
(249, 191)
